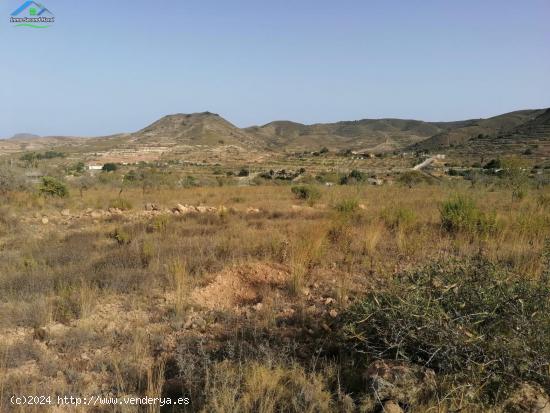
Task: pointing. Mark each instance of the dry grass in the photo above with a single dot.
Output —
(114, 294)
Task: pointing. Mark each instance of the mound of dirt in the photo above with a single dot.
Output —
(240, 285)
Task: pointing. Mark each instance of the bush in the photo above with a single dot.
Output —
(493, 164)
(460, 214)
(53, 187)
(354, 176)
(120, 203)
(309, 193)
(413, 178)
(347, 206)
(398, 218)
(474, 323)
(10, 181)
(109, 167)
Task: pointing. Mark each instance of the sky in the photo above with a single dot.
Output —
(106, 66)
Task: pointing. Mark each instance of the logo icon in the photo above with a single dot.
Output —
(32, 14)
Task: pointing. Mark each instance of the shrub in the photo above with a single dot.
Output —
(10, 181)
(354, 176)
(243, 172)
(413, 178)
(109, 167)
(53, 187)
(347, 206)
(493, 164)
(398, 218)
(120, 203)
(460, 214)
(474, 323)
(309, 193)
(121, 236)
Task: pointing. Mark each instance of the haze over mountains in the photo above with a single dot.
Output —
(519, 130)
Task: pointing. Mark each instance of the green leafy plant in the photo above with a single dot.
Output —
(308, 193)
(53, 187)
(461, 214)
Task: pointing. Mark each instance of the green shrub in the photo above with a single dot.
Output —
(347, 206)
(309, 193)
(398, 218)
(53, 187)
(474, 323)
(109, 167)
(461, 214)
(121, 236)
(353, 177)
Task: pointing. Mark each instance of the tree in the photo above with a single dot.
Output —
(53, 187)
(515, 171)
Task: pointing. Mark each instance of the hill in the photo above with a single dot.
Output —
(24, 136)
(208, 136)
(376, 135)
(205, 128)
(530, 138)
(477, 129)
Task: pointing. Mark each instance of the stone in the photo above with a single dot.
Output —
(45, 220)
(251, 210)
(402, 382)
(333, 313)
(66, 212)
(95, 214)
(184, 209)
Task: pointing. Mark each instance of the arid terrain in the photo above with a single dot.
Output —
(361, 266)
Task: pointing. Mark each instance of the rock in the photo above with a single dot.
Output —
(115, 210)
(392, 407)
(251, 210)
(66, 212)
(184, 209)
(401, 382)
(202, 209)
(88, 210)
(329, 301)
(45, 220)
(528, 398)
(95, 214)
(333, 313)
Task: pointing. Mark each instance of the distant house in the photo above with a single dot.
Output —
(95, 167)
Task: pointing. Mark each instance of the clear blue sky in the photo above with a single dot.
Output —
(115, 66)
